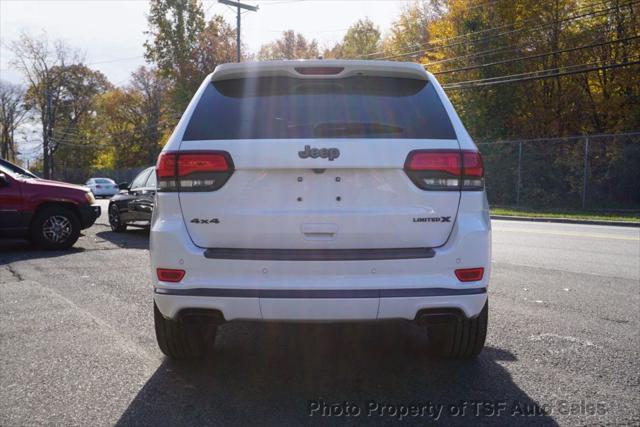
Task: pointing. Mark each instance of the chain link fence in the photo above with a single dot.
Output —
(593, 172)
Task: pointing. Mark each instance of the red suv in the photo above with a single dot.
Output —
(50, 213)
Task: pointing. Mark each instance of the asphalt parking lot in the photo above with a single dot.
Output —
(77, 345)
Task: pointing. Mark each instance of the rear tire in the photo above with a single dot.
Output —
(179, 340)
(115, 221)
(54, 228)
(460, 339)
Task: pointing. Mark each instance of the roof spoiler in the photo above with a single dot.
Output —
(326, 69)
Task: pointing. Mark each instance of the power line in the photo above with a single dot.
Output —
(129, 58)
(273, 3)
(470, 33)
(562, 138)
(540, 55)
(487, 52)
(239, 6)
(531, 75)
(527, 73)
(490, 3)
(471, 55)
(479, 5)
(90, 145)
(445, 39)
(74, 133)
(493, 36)
(489, 37)
(73, 138)
(518, 30)
(335, 30)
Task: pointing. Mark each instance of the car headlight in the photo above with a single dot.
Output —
(90, 198)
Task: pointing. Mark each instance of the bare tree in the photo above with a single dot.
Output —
(42, 63)
(153, 90)
(12, 113)
(289, 46)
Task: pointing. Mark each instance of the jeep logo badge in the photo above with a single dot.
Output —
(314, 153)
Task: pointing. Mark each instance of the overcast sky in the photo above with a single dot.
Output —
(111, 33)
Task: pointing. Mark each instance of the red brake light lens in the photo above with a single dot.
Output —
(441, 161)
(472, 171)
(435, 170)
(193, 170)
(192, 163)
(442, 170)
(170, 275)
(470, 274)
(319, 71)
(166, 166)
(472, 163)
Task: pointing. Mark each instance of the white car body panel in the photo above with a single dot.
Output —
(262, 198)
(258, 208)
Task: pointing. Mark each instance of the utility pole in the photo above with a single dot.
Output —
(48, 136)
(239, 6)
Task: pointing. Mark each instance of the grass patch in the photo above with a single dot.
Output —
(570, 214)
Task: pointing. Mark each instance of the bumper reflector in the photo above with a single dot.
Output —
(470, 274)
(170, 275)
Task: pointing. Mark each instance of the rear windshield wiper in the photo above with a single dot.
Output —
(333, 129)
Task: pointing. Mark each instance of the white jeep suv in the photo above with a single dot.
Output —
(320, 191)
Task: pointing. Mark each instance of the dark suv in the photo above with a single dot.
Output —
(49, 213)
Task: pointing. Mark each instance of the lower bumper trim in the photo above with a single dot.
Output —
(321, 293)
(319, 254)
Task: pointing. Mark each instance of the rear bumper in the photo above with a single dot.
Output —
(296, 286)
(105, 192)
(320, 305)
(88, 215)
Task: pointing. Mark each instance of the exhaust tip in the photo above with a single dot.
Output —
(431, 316)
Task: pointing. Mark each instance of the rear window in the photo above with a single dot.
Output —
(103, 181)
(354, 107)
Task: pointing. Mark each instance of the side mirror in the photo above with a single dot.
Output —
(123, 186)
(4, 181)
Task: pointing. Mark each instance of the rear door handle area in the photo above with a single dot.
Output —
(319, 231)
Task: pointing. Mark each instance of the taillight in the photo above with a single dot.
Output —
(470, 274)
(170, 275)
(193, 170)
(445, 170)
(472, 171)
(166, 172)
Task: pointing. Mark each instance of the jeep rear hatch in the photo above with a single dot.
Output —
(289, 163)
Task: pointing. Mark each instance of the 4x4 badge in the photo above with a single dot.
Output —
(205, 221)
(314, 153)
